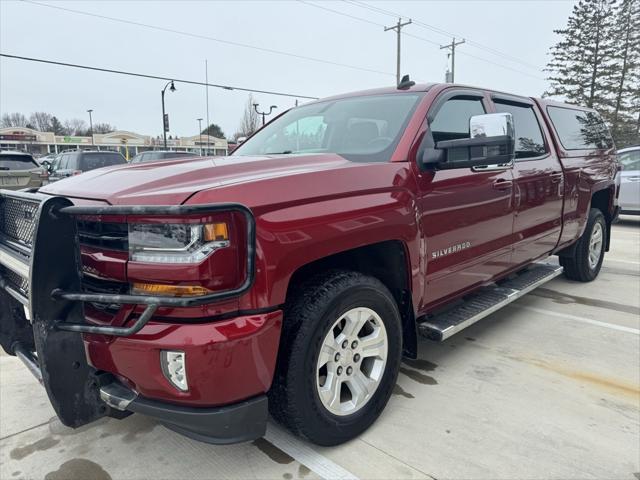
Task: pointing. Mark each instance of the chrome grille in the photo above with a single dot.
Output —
(18, 220)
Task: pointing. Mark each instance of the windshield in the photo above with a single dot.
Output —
(365, 129)
(91, 161)
(17, 162)
(155, 156)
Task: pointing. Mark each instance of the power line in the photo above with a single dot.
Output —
(213, 39)
(417, 37)
(446, 33)
(154, 77)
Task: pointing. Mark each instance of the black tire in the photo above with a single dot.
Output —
(577, 267)
(309, 315)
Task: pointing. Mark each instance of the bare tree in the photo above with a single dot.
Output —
(75, 126)
(249, 122)
(103, 128)
(13, 120)
(41, 121)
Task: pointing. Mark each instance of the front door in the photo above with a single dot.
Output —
(466, 214)
(538, 181)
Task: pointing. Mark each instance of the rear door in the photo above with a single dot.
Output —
(19, 171)
(630, 182)
(466, 213)
(538, 181)
(66, 166)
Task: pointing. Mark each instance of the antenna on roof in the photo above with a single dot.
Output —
(406, 83)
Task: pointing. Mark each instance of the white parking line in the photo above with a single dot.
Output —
(630, 262)
(305, 455)
(611, 326)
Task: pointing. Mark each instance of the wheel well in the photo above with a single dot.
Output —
(386, 261)
(602, 201)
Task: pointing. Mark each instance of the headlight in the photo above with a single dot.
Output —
(175, 243)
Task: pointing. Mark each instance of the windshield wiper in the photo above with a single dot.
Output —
(286, 152)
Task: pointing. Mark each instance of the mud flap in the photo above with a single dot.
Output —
(71, 383)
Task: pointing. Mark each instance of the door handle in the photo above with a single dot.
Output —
(634, 179)
(502, 184)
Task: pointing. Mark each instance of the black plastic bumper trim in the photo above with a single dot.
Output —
(239, 422)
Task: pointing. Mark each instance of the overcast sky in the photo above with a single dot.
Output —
(518, 30)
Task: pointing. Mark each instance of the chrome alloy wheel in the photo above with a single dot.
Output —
(352, 361)
(595, 245)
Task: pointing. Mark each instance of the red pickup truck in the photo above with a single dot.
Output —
(292, 276)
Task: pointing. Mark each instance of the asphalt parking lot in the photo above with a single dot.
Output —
(546, 388)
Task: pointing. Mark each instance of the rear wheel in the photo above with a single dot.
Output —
(586, 261)
(339, 357)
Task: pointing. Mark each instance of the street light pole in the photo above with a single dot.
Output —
(165, 119)
(91, 126)
(264, 114)
(200, 130)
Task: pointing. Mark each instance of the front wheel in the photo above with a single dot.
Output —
(588, 255)
(339, 357)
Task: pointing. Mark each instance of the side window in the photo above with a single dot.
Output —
(580, 129)
(630, 160)
(529, 138)
(452, 120)
(64, 160)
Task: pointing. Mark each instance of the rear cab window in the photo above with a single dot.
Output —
(91, 161)
(580, 129)
(17, 162)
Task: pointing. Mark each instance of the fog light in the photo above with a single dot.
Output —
(174, 368)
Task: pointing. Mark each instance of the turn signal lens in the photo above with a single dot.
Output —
(215, 232)
(169, 290)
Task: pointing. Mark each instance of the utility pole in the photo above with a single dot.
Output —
(397, 27)
(200, 130)
(452, 46)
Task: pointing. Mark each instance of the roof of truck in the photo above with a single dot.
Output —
(424, 87)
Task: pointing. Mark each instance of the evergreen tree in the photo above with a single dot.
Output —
(582, 64)
(625, 121)
(56, 126)
(214, 130)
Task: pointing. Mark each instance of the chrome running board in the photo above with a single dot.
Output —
(489, 299)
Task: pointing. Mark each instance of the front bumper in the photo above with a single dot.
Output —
(74, 360)
(243, 421)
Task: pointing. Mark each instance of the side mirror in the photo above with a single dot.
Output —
(491, 142)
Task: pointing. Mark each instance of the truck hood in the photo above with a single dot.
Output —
(173, 182)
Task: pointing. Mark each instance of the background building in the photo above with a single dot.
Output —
(128, 143)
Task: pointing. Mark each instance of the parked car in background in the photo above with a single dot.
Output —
(19, 170)
(159, 155)
(68, 164)
(629, 158)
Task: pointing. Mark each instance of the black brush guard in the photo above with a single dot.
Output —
(54, 303)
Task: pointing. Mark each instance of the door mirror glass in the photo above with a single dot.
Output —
(491, 142)
(491, 125)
